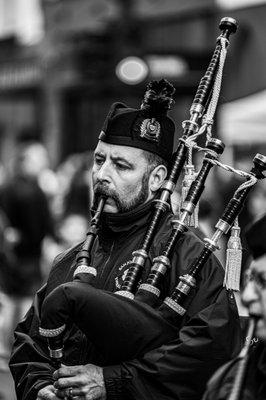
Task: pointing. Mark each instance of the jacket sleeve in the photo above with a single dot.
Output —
(29, 362)
(180, 369)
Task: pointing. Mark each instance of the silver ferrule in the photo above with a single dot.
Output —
(139, 257)
(222, 226)
(212, 243)
(179, 222)
(162, 260)
(56, 353)
(162, 202)
(183, 287)
(51, 333)
(149, 288)
(191, 125)
(174, 306)
(188, 206)
(168, 185)
(196, 111)
(160, 267)
(186, 283)
(84, 269)
(125, 293)
(217, 236)
(188, 279)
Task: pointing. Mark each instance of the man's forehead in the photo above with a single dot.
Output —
(119, 151)
(259, 264)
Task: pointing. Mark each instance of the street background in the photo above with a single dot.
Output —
(62, 63)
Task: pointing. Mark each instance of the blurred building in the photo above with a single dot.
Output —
(61, 62)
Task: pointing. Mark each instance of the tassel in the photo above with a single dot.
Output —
(189, 177)
(233, 259)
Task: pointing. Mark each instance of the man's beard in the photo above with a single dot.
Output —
(101, 189)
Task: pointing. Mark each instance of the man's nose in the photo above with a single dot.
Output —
(103, 173)
(249, 294)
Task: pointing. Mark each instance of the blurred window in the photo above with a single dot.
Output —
(23, 19)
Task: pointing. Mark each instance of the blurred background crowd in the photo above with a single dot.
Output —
(62, 63)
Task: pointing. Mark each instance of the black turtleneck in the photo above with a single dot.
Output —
(114, 225)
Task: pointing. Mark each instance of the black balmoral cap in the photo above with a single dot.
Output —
(256, 237)
(147, 128)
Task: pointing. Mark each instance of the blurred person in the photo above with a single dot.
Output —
(7, 278)
(71, 207)
(78, 197)
(27, 210)
(254, 299)
(74, 185)
(9, 309)
(70, 231)
(130, 165)
(257, 201)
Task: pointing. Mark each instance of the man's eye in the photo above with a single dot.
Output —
(98, 161)
(248, 277)
(121, 166)
(260, 279)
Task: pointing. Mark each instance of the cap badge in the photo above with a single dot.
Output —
(150, 129)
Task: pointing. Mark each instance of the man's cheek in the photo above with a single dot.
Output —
(93, 176)
(132, 190)
(263, 304)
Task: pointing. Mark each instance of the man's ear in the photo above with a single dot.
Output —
(157, 177)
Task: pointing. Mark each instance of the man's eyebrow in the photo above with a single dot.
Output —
(98, 153)
(122, 159)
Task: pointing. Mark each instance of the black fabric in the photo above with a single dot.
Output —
(209, 336)
(254, 382)
(123, 127)
(256, 237)
(107, 320)
(26, 207)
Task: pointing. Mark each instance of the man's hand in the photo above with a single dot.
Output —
(86, 381)
(47, 393)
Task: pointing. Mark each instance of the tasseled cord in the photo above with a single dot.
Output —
(233, 259)
(189, 177)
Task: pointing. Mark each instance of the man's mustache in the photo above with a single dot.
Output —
(101, 189)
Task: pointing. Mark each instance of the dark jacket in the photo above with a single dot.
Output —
(27, 209)
(177, 370)
(254, 381)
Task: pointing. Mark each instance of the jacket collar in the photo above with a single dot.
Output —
(124, 222)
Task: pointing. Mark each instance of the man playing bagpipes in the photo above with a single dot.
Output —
(245, 377)
(130, 165)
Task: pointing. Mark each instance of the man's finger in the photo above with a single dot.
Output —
(47, 393)
(66, 371)
(63, 383)
(70, 392)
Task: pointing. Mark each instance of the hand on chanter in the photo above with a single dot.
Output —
(80, 382)
(47, 393)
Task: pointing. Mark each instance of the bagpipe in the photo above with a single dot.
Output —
(141, 319)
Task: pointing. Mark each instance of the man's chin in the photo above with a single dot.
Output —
(261, 330)
(110, 208)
